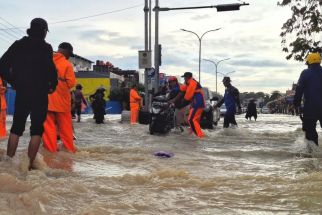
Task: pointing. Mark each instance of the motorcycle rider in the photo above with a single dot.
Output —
(175, 97)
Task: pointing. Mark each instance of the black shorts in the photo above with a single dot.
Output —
(29, 104)
(78, 109)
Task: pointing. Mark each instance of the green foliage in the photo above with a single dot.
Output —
(253, 95)
(305, 25)
(275, 95)
(141, 88)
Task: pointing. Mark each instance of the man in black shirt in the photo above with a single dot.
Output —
(28, 66)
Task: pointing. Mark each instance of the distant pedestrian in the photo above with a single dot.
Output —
(99, 105)
(28, 66)
(135, 103)
(231, 100)
(251, 110)
(59, 108)
(310, 85)
(79, 101)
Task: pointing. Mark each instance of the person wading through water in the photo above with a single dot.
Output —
(310, 85)
(231, 99)
(59, 107)
(28, 66)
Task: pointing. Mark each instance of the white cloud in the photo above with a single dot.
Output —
(250, 37)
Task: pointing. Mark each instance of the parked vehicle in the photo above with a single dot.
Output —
(265, 110)
(161, 116)
(210, 116)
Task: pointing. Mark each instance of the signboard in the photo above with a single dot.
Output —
(145, 59)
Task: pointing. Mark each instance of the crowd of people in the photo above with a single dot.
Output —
(44, 80)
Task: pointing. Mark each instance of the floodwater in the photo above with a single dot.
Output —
(260, 167)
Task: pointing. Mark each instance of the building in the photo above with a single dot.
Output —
(127, 76)
(91, 81)
(81, 63)
(103, 75)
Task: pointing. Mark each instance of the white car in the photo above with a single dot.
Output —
(265, 110)
(223, 110)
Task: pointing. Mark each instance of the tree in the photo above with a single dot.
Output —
(275, 95)
(305, 24)
(251, 95)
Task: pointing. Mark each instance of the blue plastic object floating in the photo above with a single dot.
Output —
(163, 154)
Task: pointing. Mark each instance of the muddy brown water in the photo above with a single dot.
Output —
(260, 167)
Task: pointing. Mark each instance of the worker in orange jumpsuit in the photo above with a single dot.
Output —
(59, 107)
(135, 103)
(194, 94)
(3, 110)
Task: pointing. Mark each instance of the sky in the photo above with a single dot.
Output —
(249, 37)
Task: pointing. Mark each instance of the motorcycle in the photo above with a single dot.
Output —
(161, 116)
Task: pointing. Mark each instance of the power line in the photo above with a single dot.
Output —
(4, 39)
(14, 27)
(99, 14)
(7, 31)
(77, 19)
(81, 18)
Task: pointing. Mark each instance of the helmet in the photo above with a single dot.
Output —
(172, 78)
(79, 86)
(313, 58)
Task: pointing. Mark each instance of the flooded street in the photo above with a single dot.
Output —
(258, 168)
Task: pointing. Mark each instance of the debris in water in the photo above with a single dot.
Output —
(164, 154)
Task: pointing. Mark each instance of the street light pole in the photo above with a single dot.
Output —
(146, 48)
(200, 39)
(157, 9)
(225, 74)
(216, 67)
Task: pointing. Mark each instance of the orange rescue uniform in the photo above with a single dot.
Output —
(135, 101)
(59, 108)
(194, 94)
(3, 111)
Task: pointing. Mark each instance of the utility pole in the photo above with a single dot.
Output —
(150, 13)
(156, 47)
(146, 47)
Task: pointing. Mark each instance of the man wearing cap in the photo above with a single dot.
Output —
(310, 85)
(193, 95)
(28, 66)
(59, 103)
(231, 99)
